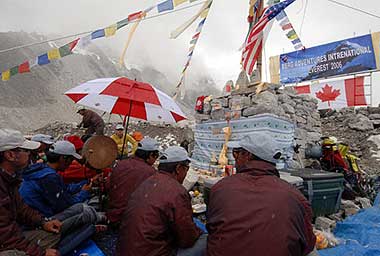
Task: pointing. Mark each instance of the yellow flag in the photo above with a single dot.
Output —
(111, 30)
(6, 75)
(205, 13)
(54, 54)
(293, 37)
(178, 2)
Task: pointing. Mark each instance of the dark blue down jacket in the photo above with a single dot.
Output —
(43, 189)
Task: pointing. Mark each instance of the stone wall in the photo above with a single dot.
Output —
(298, 109)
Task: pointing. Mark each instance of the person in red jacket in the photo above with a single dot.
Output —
(14, 213)
(254, 212)
(158, 218)
(128, 175)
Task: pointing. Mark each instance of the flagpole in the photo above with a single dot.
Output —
(260, 58)
(126, 128)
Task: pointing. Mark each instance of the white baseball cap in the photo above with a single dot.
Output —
(66, 148)
(119, 127)
(148, 144)
(47, 139)
(174, 154)
(11, 139)
(260, 144)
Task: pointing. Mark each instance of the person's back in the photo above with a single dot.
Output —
(256, 213)
(158, 218)
(125, 178)
(151, 218)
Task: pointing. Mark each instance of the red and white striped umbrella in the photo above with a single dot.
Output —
(126, 97)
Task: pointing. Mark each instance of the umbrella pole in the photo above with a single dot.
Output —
(126, 128)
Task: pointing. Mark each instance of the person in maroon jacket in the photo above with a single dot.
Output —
(14, 213)
(128, 175)
(254, 212)
(158, 219)
(92, 121)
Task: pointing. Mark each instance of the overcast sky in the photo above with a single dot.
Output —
(217, 50)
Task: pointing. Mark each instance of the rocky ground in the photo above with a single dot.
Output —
(166, 135)
(360, 129)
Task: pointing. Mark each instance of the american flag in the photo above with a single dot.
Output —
(254, 41)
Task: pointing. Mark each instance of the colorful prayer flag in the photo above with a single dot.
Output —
(24, 67)
(43, 59)
(122, 23)
(111, 30)
(196, 35)
(205, 13)
(53, 54)
(287, 26)
(178, 2)
(33, 62)
(296, 41)
(291, 33)
(194, 41)
(134, 16)
(6, 75)
(84, 41)
(65, 50)
(13, 71)
(165, 6)
(97, 34)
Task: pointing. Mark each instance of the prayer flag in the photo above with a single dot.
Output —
(6, 75)
(194, 41)
(165, 6)
(43, 59)
(111, 30)
(122, 23)
(205, 13)
(287, 26)
(178, 2)
(53, 54)
(134, 16)
(13, 71)
(24, 67)
(296, 41)
(97, 34)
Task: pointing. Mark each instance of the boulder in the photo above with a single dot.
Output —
(324, 224)
(265, 97)
(219, 114)
(360, 123)
(374, 116)
(288, 108)
(364, 202)
(261, 109)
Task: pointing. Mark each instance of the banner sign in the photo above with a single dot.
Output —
(338, 58)
(336, 94)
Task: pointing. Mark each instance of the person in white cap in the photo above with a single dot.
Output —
(158, 218)
(128, 174)
(254, 212)
(39, 154)
(14, 213)
(130, 144)
(57, 196)
(92, 121)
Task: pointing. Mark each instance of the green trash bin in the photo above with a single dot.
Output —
(322, 189)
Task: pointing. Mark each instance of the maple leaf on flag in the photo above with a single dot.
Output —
(328, 94)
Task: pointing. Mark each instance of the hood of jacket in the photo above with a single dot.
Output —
(37, 171)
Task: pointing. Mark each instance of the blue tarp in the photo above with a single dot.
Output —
(360, 234)
(90, 248)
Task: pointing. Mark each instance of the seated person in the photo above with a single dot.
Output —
(44, 190)
(130, 144)
(38, 155)
(78, 171)
(158, 219)
(14, 213)
(128, 174)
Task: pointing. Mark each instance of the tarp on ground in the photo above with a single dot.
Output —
(360, 234)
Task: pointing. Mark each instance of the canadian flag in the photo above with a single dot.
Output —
(336, 94)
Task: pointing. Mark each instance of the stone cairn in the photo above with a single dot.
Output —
(298, 109)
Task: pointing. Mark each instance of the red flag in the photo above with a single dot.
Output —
(134, 16)
(287, 26)
(73, 44)
(24, 67)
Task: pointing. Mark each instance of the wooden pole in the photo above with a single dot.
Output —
(260, 58)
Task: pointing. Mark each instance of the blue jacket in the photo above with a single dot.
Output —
(43, 189)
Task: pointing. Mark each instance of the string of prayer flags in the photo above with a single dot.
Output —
(82, 42)
(193, 43)
(287, 27)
